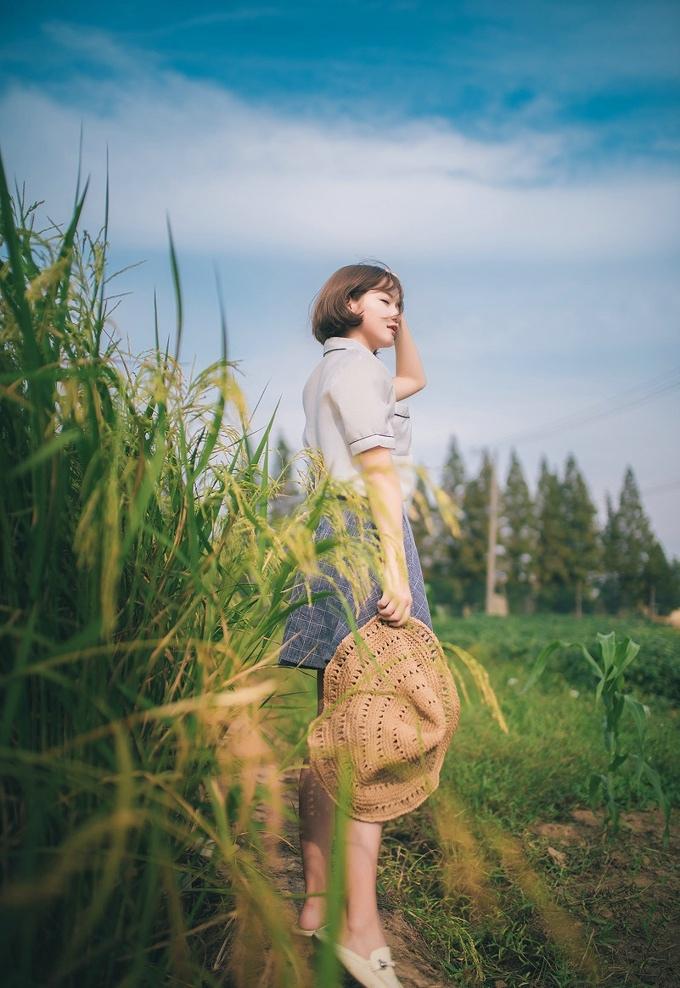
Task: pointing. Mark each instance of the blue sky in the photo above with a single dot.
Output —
(517, 165)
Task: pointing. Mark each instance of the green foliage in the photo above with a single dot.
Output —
(661, 582)
(636, 570)
(532, 783)
(519, 638)
(453, 472)
(552, 557)
(518, 538)
(473, 543)
(609, 660)
(144, 583)
(552, 548)
(582, 549)
(440, 551)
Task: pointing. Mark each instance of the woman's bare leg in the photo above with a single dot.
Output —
(316, 827)
(362, 930)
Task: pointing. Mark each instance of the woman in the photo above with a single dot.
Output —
(357, 418)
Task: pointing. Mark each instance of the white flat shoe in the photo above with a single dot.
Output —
(376, 971)
(306, 933)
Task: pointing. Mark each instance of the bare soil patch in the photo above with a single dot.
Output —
(627, 891)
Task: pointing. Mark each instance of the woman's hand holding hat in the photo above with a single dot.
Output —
(390, 710)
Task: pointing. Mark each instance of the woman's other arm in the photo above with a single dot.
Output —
(409, 376)
(385, 498)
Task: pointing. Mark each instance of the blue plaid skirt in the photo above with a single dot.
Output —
(314, 631)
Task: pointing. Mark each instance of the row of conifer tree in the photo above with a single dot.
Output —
(553, 554)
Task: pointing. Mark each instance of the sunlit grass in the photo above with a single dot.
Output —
(145, 584)
(467, 871)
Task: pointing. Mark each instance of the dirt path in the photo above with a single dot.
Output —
(625, 894)
(408, 949)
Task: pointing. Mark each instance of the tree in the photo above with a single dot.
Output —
(674, 587)
(445, 570)
(660, 581)
(475, 528)
(611, 550)
(281, 470)
(425, 540)
(552, 552)
(636, 543)
(518, 538)
(281, 467)
(453, 472)
(582, 549)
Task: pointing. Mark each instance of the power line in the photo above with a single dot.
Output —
(620, 402)
(629, 398)
(670, 486)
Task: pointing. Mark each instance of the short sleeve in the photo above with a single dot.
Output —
(363, 395)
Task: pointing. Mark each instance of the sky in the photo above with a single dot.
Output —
(517, 165)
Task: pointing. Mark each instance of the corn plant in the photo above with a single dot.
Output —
(608, 660)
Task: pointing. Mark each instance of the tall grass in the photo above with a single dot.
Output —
(145, 583)
(142, 586)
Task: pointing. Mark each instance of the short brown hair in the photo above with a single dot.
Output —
(331, 315)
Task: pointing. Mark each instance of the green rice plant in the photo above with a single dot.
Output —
(145, 584)
(608, 660)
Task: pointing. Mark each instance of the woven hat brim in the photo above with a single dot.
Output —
(390, 711)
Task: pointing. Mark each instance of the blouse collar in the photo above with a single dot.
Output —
(344, 343)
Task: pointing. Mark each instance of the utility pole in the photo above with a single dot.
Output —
(492, 540)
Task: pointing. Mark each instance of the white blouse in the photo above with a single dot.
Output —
(350, 406)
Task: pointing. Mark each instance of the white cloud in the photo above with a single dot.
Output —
(582, 310)
(97, 48)
(230, 173)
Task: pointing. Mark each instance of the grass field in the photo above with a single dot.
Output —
(506, 872)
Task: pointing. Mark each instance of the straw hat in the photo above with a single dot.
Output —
(390, 710)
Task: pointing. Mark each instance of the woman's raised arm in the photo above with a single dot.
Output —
(409, 375)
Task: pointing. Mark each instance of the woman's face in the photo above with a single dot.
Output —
(380, 308)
